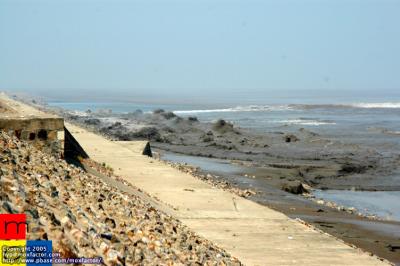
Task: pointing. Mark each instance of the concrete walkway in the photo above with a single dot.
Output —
(253, 233)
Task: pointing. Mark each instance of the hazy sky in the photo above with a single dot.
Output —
(150, 47)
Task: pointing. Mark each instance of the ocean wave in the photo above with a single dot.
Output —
(383, 105)
(377, 105)
(318, 106)
(249, 108)
(292, 107)
(306, 122)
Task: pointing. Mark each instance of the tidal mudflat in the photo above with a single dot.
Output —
(350, 215)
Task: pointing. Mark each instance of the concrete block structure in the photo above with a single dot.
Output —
(28, 123)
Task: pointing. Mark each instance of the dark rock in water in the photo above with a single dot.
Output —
(150, 133)
(168, 115)
(294, 187)
(158, 111)
(350, 168)
(138, 112)
(92, 121)
(178, 119)
(291, 138)
(193, 119)
(220, 123)
(224, 127)
(115, 126)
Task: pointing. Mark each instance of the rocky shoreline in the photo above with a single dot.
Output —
(277, 162)
(280, 157)
(86, 217)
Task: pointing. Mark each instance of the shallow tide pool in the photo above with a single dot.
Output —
(206, 164)
(385, 204)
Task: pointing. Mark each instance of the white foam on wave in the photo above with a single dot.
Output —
(249, 108)
(291, 107)
(360, 105)
(79, 113)
(392, 132)
(305, 122)
(377, 105)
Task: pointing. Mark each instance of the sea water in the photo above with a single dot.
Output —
(384, 204)
(370, 123)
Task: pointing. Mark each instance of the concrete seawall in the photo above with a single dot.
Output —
(255, 234)
(30, 124)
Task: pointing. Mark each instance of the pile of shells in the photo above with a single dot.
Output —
(86, 217)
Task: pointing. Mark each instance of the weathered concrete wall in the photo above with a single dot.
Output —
(27, 123)
(43, 138)
(32, 124)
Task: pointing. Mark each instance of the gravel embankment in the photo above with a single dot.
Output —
(86, 217)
